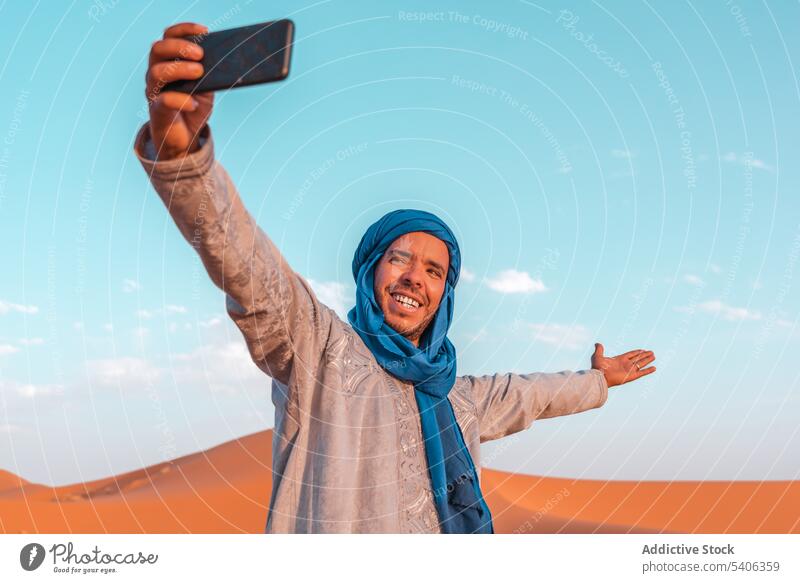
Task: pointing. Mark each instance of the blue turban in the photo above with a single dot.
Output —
(431, 368)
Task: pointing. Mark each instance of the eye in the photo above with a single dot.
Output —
(435, 273)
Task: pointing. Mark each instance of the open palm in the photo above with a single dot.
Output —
(624, 368)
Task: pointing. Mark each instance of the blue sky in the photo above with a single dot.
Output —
(615, 172)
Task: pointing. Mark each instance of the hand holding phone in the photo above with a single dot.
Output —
(258, 53)
(176, 118)
(189, 64)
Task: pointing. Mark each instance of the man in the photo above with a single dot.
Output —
(374, 432)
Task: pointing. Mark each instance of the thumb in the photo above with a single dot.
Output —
(598, 349)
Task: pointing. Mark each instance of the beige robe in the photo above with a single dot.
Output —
(348, 454)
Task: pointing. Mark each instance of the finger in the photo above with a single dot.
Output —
(184, 29)
(634, 374)
(644, 359)
(645, 371)
(598, 349)
(205, 97)
(631, 353)
(175, 48)
(162, 73)
(176, 101)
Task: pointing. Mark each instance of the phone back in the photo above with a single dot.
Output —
(257, 53)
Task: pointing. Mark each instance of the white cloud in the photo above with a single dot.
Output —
(333, 294)
(7, 307)
(7, 349)
(512, 281)
(481, 334)
(123, 370)
(211, 322)
(31, 341)
(168, 309)
(692, 279)
(141, 332)
(622, 154)
(715, 269)
(130, 286)
(221, 367)
(727, 312)
(78, 326)
(234, 357)
(30, 390)
(744, 160)
(467, 275)
(572, 337)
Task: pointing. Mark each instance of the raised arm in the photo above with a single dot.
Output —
(276, 310)
(508, 403)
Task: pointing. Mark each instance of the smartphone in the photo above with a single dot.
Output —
(238, 57)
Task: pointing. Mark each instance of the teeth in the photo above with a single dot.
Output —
(406, 300)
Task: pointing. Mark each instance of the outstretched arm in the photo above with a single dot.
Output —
(276, 310)
(508, 403)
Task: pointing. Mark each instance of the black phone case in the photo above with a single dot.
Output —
(238, 57)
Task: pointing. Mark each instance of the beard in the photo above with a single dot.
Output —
(413, 333)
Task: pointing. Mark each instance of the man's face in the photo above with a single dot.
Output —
(409, 282)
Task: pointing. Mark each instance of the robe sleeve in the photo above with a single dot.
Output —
(508, 403)
(276, 310)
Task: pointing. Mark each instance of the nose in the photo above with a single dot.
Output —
(413, 275)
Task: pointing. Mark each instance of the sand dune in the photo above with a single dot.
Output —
(226, 489)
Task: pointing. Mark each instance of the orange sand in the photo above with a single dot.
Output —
(227, 488)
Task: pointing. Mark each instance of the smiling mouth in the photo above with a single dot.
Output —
(406, 303)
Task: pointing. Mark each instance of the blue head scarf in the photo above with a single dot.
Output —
(431, 367)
